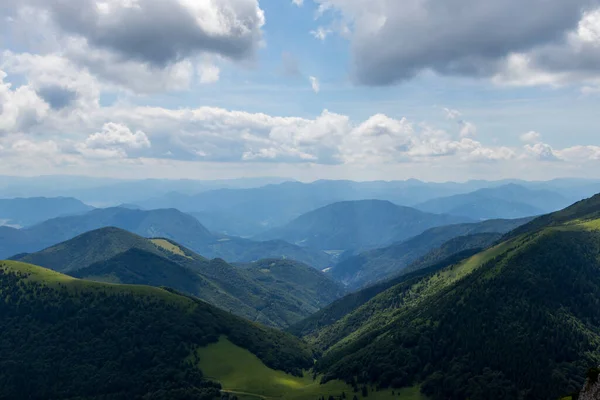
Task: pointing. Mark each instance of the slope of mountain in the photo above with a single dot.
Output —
(29, 211)
(375, 265)
(354, 225)
(291, 292)
(65, 338)
(169, 223)
(508, 201)
(494, 326)
(298, 280)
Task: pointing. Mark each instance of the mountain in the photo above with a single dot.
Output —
(107, 192)
(508, 201)
(276, 293)
(169, 223)
(375, 265)
(65, 338)
(518, 320)
(29, 211)
(248, 212)
(298, 280)
(354, 225)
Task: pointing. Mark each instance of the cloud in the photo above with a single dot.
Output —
(314, 83)
(542, 152)
(114, 141)
(299, 3)
(160, 32)
(452, 114)
(466, 129)
(531, 137)
(21, 108)
(395, 41)
(208, 73)
(142, 46)
(321, 33)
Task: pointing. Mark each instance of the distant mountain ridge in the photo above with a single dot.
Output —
(508, 201)
(279, 293)
(167, 223)
(29, 211)
(356, 225)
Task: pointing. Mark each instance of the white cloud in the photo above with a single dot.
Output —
(467, 129)
(452, 114)
(321, 33)
(531, 137)
(209, 73)
(299, 3)
(542, 152)
(314, 83)
(21, 108)
(113, 142)
(580, 153)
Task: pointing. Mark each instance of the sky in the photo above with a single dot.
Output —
(307, 89)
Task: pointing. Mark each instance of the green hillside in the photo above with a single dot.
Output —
(243, 374)
(290, 292)
(298, 279)
(375, 265)
(76, 339)
(518, 320)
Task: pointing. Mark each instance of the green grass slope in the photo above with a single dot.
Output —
(518, 320)
(243, 374)
(63, 338)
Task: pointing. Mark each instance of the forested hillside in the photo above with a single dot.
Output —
(494, 326)
(75, 339)
(375, 265)
(277, 296)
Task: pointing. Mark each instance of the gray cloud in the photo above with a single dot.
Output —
(162, 32)
(394, 41)
(57, 97)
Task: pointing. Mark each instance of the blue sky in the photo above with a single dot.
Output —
(432, 89)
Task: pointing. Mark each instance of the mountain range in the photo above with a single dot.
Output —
(507, 201)
(375, 265)
(517, 320)
(356, 225)
(168, 223)
(274, 292)
(21, 212)
(498, 310)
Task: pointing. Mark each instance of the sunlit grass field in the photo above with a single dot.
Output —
(243, 374)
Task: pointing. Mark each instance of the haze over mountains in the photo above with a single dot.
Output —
(383, 298)
(357, 225)
(170, 224)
